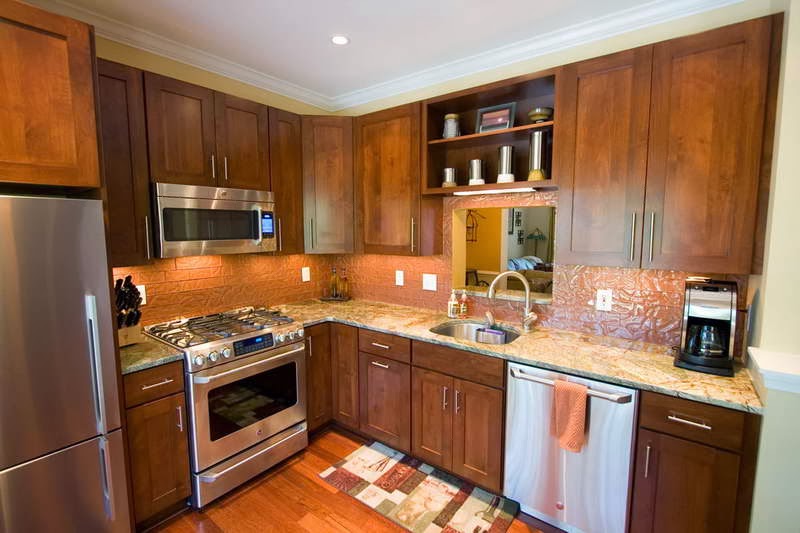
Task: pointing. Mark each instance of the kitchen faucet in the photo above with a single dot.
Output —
(529, 316)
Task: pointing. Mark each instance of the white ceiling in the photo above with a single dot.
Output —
(396, 45)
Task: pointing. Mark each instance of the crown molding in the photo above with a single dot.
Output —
(638, 17)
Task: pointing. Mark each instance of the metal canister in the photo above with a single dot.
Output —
(476, 172)
(505, 172)
(535, 161)
(451, 126)
(449, 177)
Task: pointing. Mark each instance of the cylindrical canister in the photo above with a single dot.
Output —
(476, 172)
(505, 171)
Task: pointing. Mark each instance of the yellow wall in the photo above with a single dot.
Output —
(485, 253)
(135, 57)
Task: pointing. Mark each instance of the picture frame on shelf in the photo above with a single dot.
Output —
(496, 117)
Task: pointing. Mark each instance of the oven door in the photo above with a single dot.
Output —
(203, 226)
(237, 405)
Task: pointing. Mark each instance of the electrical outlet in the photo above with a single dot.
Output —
(399, 278)
(142, 293)
(429, 282)
(305, 274)
(603, 300)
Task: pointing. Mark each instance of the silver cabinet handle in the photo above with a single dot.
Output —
(458, 404)
(647, 461)
(180, 418)
(376, 363)
(225, 167)
(444, 398)
(97, 367)
(105, 468)
(379, 345)
(213, 167)
(313, 244)
(633, 234)
(652, 234)
(698, 425)
(280, 236)
(147, 235)
(413, 224)
(164, 381)
(310, 350)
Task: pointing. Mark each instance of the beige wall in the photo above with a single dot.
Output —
(135, 57)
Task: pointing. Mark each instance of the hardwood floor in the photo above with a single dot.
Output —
(292, 497)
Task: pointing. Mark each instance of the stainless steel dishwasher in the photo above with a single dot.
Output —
(577, 492)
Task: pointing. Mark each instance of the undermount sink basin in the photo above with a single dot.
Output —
(470, 330)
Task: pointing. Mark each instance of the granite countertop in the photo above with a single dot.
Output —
(633, 363)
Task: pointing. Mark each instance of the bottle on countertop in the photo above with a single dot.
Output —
(334, 284)
(452, 305)
(463, 307)
(344, 285)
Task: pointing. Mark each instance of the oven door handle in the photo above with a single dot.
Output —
(209, 379)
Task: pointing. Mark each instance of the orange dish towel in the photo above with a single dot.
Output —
(568, 419)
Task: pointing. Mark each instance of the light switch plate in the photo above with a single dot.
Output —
(399, 278)
(142, 293)
(429, 282)
(603, 300)
(305, 274)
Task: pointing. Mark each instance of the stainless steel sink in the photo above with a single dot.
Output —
(472, 330)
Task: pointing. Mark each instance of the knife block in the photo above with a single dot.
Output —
(130, 335)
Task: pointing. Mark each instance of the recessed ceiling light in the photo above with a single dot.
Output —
(340, 40)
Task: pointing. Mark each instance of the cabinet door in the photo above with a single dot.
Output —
(603, 113)
(682, 486)
(47, 110)
(385, 400)
(478, 433)
(344, 354)
(387, 150)
(286, 176)
(318, 352)
(706, 121)
(127, 181)
(180, 130)
(159, 455)
(432, 417)
(242, 135)
(328, 184)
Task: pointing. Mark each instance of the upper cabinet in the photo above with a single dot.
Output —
(201, 137)
(124, 141)
(391, 216)
(286, 172)
(706, 125)
(47, 109)
(677, 190)
(328, 184)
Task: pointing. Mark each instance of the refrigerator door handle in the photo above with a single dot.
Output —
(97, 368)
(105, 468)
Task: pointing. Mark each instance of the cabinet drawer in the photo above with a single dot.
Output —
(153, 383)
(385, 345)
(459, 363)
(709, 424)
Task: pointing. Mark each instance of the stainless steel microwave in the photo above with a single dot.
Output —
(194, 220)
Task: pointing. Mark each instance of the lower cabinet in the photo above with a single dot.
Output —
(318, 362)
(344, 361)
(159, 455)
(385, 400)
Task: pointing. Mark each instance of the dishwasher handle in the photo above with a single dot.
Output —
(616, 398)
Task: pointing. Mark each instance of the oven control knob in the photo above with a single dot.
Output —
(226, 352)
(213, 357)
(292, 335)
(279, 337)
(200, 360)
(300, 333)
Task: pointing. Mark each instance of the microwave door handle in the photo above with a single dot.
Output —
(259, 214)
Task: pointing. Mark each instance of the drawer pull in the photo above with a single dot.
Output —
(164, 381)
(698, 425)
(380, 364)
(647, 461)
(379, 345)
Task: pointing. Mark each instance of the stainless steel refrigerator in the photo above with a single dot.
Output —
(62, 466)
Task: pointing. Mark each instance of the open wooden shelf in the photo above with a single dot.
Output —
(538, 185)
(506, 131)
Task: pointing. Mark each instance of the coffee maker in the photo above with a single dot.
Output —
(709, 326)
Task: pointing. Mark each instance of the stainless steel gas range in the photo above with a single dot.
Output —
(246, 381)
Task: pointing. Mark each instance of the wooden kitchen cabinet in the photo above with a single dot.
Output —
(344, 360)
(432, 418)
(706, 125)
(124, 152)
(391, 215)
(159, 456)
(318, 357)
(328, 184)
(286, 173)
(242, 143)
(47, 111)
(180, 130)
(602, 158)
(385, 400)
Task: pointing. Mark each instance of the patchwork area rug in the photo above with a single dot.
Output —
(417, 496)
